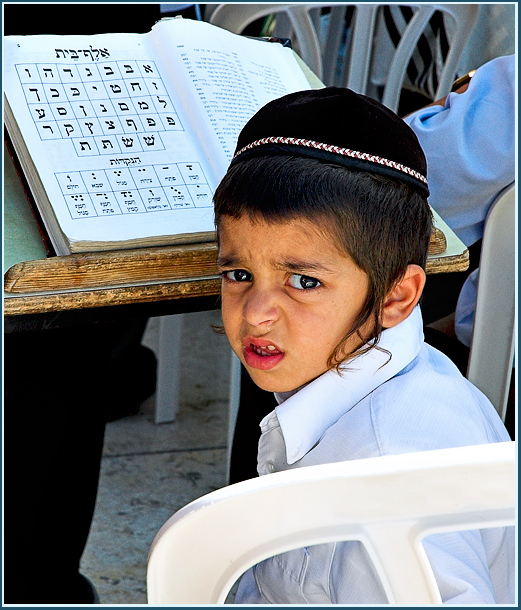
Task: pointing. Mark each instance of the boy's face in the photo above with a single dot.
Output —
(289, 296)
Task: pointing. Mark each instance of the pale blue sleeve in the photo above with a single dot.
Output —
(470, 147)
(465, 308)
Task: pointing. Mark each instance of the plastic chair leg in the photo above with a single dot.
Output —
(168, 357)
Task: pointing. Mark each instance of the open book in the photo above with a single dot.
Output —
(123, 138)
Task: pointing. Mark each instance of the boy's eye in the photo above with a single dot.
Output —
(303, 282)
(237, 275)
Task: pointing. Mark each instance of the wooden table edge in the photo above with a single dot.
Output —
(108, 270)
(445, 264)
(106, 297)
(15, 305)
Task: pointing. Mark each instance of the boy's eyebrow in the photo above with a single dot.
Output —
(294, 265)
(301, 266)
(228, 261)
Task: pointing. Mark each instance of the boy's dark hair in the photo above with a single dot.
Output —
(383, 223)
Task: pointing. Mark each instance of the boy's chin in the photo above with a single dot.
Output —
(271, 384)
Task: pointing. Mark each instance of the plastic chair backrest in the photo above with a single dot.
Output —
(321, 50)
(389, 503)
(235, 18)
(464, 17)
(492, 345)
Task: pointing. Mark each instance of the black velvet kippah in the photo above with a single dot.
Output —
(339, 126)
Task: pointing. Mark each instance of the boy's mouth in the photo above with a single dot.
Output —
(261, 354)
(270, 350)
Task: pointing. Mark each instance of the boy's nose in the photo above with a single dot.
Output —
(260, 308)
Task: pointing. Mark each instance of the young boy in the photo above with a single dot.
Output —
(323, 228)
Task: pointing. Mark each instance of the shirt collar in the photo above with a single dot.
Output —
(307, 413)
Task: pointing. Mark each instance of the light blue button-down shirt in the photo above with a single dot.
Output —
(470, 145)
(417, 401)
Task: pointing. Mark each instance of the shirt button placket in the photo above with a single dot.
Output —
(270, 466)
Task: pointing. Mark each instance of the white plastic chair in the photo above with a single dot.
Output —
(494, 330)
(321, 47)
(389, 503)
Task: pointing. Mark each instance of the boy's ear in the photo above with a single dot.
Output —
(402, 299)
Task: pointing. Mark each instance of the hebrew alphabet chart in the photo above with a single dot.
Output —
(106, 108)
(123, 138)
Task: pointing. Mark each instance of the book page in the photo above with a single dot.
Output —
(232, 76)
(130, 134)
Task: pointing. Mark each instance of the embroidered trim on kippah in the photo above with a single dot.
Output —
(346, 152)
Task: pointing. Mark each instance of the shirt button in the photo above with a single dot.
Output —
(270, 466)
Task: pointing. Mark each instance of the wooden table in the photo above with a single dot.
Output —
(140, 276)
